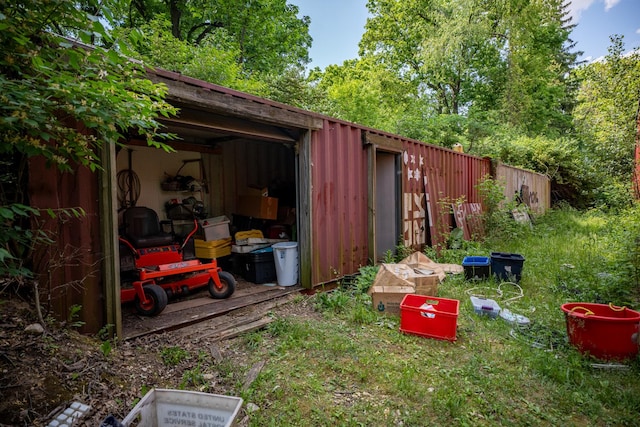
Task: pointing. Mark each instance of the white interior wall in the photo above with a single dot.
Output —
(151, 165)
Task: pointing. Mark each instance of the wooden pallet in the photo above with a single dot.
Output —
(222, 318)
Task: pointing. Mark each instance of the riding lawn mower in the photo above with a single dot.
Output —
(155, 265)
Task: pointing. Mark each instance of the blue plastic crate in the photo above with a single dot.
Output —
(476, 267)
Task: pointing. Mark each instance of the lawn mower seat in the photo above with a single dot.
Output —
(142, 228)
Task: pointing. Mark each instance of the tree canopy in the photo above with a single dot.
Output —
(264, 36)
(62, 99)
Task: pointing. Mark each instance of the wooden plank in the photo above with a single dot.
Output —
(304, 215)
(136, 327)
(239, 330)
(210, 100)
(432, 206)
(253, 374)
(390, 144)
(205, 299)
(461, 221)
(234, 318)
(473, 215)
(235, 129)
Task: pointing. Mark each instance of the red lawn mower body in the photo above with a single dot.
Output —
(153, 267)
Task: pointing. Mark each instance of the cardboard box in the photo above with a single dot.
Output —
(426, 284)
(394, 281)
(387, 299)
(258, 207)
(255, 191)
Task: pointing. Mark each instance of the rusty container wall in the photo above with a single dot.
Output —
(69, 270)
(432, 178)
(339, 202)
(533, 188)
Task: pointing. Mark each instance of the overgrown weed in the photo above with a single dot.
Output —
(354, 367)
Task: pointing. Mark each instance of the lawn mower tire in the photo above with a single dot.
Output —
(228, 283)
(158, 300)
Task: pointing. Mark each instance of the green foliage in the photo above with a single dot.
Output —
(366, 372)
(563, 160)
(192, 378)
(497, 215)
(362, 91)
(606, 121)
(539, 92)
(264, 36)
(334, 301)
(106, 335)
(74, 313)
(63, 102)
(172, 356)
(106, 348)
(49, 85)
(15, 241)
(293, 88)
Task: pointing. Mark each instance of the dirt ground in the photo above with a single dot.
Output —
(43, 374)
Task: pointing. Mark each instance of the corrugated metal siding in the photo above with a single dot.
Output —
(445, 176)
(339, 195)
(69, 270)
(534, 188)
(339, 202)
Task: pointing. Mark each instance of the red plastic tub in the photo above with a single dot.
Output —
(604, 331)
(429, 316)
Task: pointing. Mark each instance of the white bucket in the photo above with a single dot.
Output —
(285, 255)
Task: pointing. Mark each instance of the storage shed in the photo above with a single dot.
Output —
(346, 193)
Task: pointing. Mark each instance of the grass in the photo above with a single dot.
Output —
(354, 367)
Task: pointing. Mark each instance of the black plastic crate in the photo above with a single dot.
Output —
(506, 266)
(258, 266)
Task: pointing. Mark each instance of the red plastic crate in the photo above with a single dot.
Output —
(429, 316)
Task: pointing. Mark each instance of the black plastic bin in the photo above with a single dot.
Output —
(258, 266)
(507, 267)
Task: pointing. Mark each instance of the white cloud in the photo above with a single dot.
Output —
(608, 4)
(576, 7)
(638, 31)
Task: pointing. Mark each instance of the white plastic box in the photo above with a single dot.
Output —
(485, 306)
(170, 408)
(215, 228)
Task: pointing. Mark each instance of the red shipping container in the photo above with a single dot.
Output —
(429, 316)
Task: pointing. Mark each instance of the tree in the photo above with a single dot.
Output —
(539, 92)
(362, 92)
(449, 49)
(266, 35)
(62, 100)
(504, 62)
(215, 59)
(606, 117)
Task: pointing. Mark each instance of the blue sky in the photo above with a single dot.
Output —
(337, 26)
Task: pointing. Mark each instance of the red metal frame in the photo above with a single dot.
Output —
(162, 262)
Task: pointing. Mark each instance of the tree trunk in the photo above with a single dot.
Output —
(176, 15)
